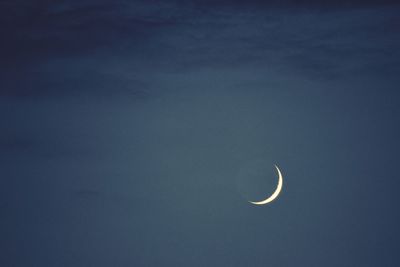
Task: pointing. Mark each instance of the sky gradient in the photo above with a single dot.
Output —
(133, 133)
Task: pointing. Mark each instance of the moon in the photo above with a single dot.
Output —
(275, 194)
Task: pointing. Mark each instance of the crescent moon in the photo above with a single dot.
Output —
(275, 194)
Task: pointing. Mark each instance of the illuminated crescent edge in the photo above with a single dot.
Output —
(275, 194)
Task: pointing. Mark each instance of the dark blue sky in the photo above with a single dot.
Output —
(134, 132)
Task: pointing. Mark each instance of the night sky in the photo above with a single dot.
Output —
(134, 133)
